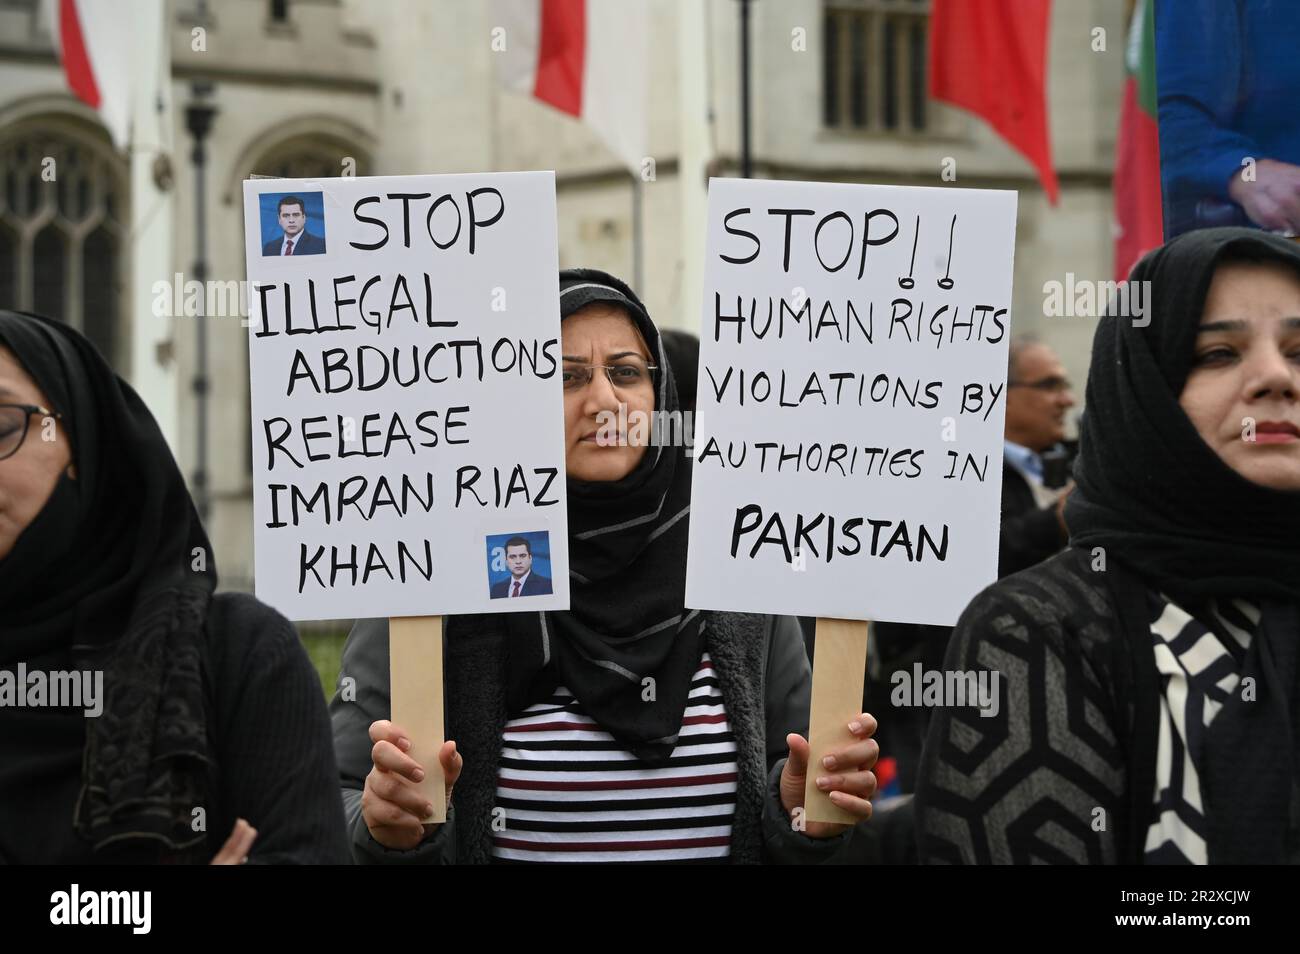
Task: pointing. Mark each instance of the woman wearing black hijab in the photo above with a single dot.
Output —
(199, 733)
(627, 728)
(1150, 706)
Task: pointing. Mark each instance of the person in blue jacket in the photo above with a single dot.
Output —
(1229, 137)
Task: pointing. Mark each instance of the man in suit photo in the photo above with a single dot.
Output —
(296, 240)
(523, 581)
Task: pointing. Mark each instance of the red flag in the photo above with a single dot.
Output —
(1138, 222)
(76, 62)
(990, 57)
(561, 55)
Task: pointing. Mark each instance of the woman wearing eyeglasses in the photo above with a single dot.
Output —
(1150, 707)
(142, 718)
(628, 728)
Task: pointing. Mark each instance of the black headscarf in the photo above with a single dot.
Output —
(1163, 505)
(115, 574)
(627, 565)
(1149, 489)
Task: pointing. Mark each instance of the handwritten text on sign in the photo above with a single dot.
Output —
(406, 400)
(852, 383)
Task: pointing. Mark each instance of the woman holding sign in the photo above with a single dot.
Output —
(627, 728)
(142, 718)
(1152, 671)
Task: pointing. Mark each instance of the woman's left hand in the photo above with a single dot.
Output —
(847, 778)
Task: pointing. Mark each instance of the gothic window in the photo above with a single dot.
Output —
(63, 234)
(874, 65)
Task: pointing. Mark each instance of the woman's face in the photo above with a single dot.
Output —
(596, 436)
(1243, 393)
(28, 477)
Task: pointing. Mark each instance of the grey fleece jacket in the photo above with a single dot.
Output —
(766, 686)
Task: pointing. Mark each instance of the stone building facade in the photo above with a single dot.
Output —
(324, 87)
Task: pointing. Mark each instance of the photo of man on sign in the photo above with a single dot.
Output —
(517, 554)
(286, 223)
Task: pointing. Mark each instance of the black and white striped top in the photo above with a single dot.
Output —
(1200, 667)
(571, 793)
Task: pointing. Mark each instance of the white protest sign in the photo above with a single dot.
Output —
(407, 413)
(852, 382)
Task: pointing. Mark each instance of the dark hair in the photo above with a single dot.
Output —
(1019, 343)
(520, 542)
(291, 200)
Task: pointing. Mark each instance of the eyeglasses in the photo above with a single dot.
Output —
(1052, 385)
(14, 421)
(627, 375)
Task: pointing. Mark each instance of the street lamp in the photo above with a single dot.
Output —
(746, 156)
(199, 114)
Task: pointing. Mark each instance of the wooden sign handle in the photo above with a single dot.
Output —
(415, 685)
(839, 669)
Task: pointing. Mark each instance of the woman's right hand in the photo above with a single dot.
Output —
(391, 806)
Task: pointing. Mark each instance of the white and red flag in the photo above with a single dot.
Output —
(587, 58)
(99, 44)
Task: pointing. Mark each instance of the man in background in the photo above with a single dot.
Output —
(1034, 488)
(1038, 395)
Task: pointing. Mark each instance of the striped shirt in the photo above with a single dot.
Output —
(1200, 664)
(571, 793)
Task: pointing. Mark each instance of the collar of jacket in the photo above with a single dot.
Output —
(475, 691)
